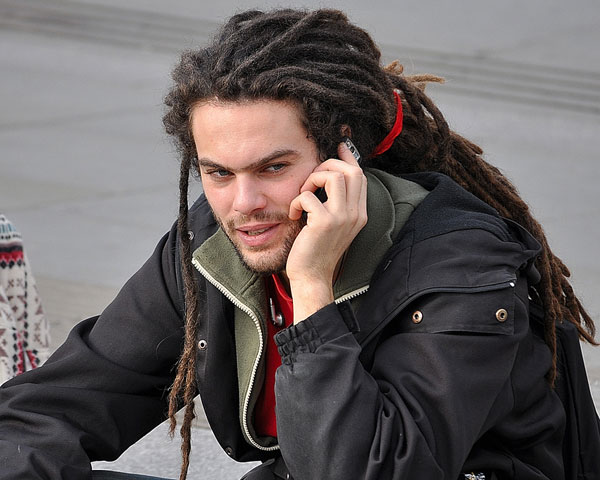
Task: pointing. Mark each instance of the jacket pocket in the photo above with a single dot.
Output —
(488, 310)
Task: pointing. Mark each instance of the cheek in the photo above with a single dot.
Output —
(295, 183)
(285, 192)
(218, 200)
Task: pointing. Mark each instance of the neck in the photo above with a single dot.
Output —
(285, 281)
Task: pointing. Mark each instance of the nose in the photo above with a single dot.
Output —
(249, 196)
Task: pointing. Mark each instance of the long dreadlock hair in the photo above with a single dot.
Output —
(332, 70)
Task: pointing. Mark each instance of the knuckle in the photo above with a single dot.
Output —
(337, 221)
(308, 195)
(362, 219)
(330, 162)
(339, 176)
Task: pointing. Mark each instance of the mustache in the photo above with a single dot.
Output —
(233, 223)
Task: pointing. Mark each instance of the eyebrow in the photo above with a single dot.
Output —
(206, 162)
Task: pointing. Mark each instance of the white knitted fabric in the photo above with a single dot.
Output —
(24, 330)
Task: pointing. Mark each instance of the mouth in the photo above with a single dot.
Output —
(255, 232)
(257, 235)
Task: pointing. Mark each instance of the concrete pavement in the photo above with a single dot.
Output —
(91, 181)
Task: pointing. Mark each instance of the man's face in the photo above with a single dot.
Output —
(254, 156)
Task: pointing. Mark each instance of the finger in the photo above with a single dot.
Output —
(355, 183)
(346, 157)
(346, 154)
(305, 202)
(321, 179)
(348, 161)
(334, 184)
(362, 202)
(356, 195)
(353, 174)
(337, 165)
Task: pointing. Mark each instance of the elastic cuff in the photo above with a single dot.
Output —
(328, 323)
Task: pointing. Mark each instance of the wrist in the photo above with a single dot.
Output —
(309, 296)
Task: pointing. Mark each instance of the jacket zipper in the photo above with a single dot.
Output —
(248, 311)
(351, 295)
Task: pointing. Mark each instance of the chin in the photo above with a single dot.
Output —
(266, 263)
(270, 259)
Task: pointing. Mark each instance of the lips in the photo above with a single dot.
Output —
(253, 233)
(256, 236)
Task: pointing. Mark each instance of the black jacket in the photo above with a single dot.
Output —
(436, 373)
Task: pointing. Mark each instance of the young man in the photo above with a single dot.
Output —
(338, 320)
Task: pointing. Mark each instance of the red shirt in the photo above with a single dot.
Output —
(265, 422)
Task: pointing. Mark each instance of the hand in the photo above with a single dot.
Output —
(330, 229)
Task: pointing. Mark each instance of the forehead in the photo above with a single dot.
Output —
(210, 121)
(233, 134)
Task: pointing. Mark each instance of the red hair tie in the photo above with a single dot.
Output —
(394, 132)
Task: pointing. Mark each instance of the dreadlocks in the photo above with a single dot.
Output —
(331, 69)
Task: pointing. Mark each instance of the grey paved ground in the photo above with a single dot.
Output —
(91, 181)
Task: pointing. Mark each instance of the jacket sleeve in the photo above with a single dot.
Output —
(104, 388)
(419, 409)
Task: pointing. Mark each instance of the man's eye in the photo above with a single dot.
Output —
(220, 173)
(275, 168)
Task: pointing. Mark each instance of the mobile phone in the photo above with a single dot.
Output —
(352, 149)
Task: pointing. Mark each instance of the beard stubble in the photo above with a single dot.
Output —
(274, 257)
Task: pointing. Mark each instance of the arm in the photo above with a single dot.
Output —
(415, 414)
(103, 389)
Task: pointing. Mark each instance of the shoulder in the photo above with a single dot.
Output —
(453, 239)
(456, 265)
(449, 207)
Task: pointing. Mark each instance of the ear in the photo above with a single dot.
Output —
(346, 131)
